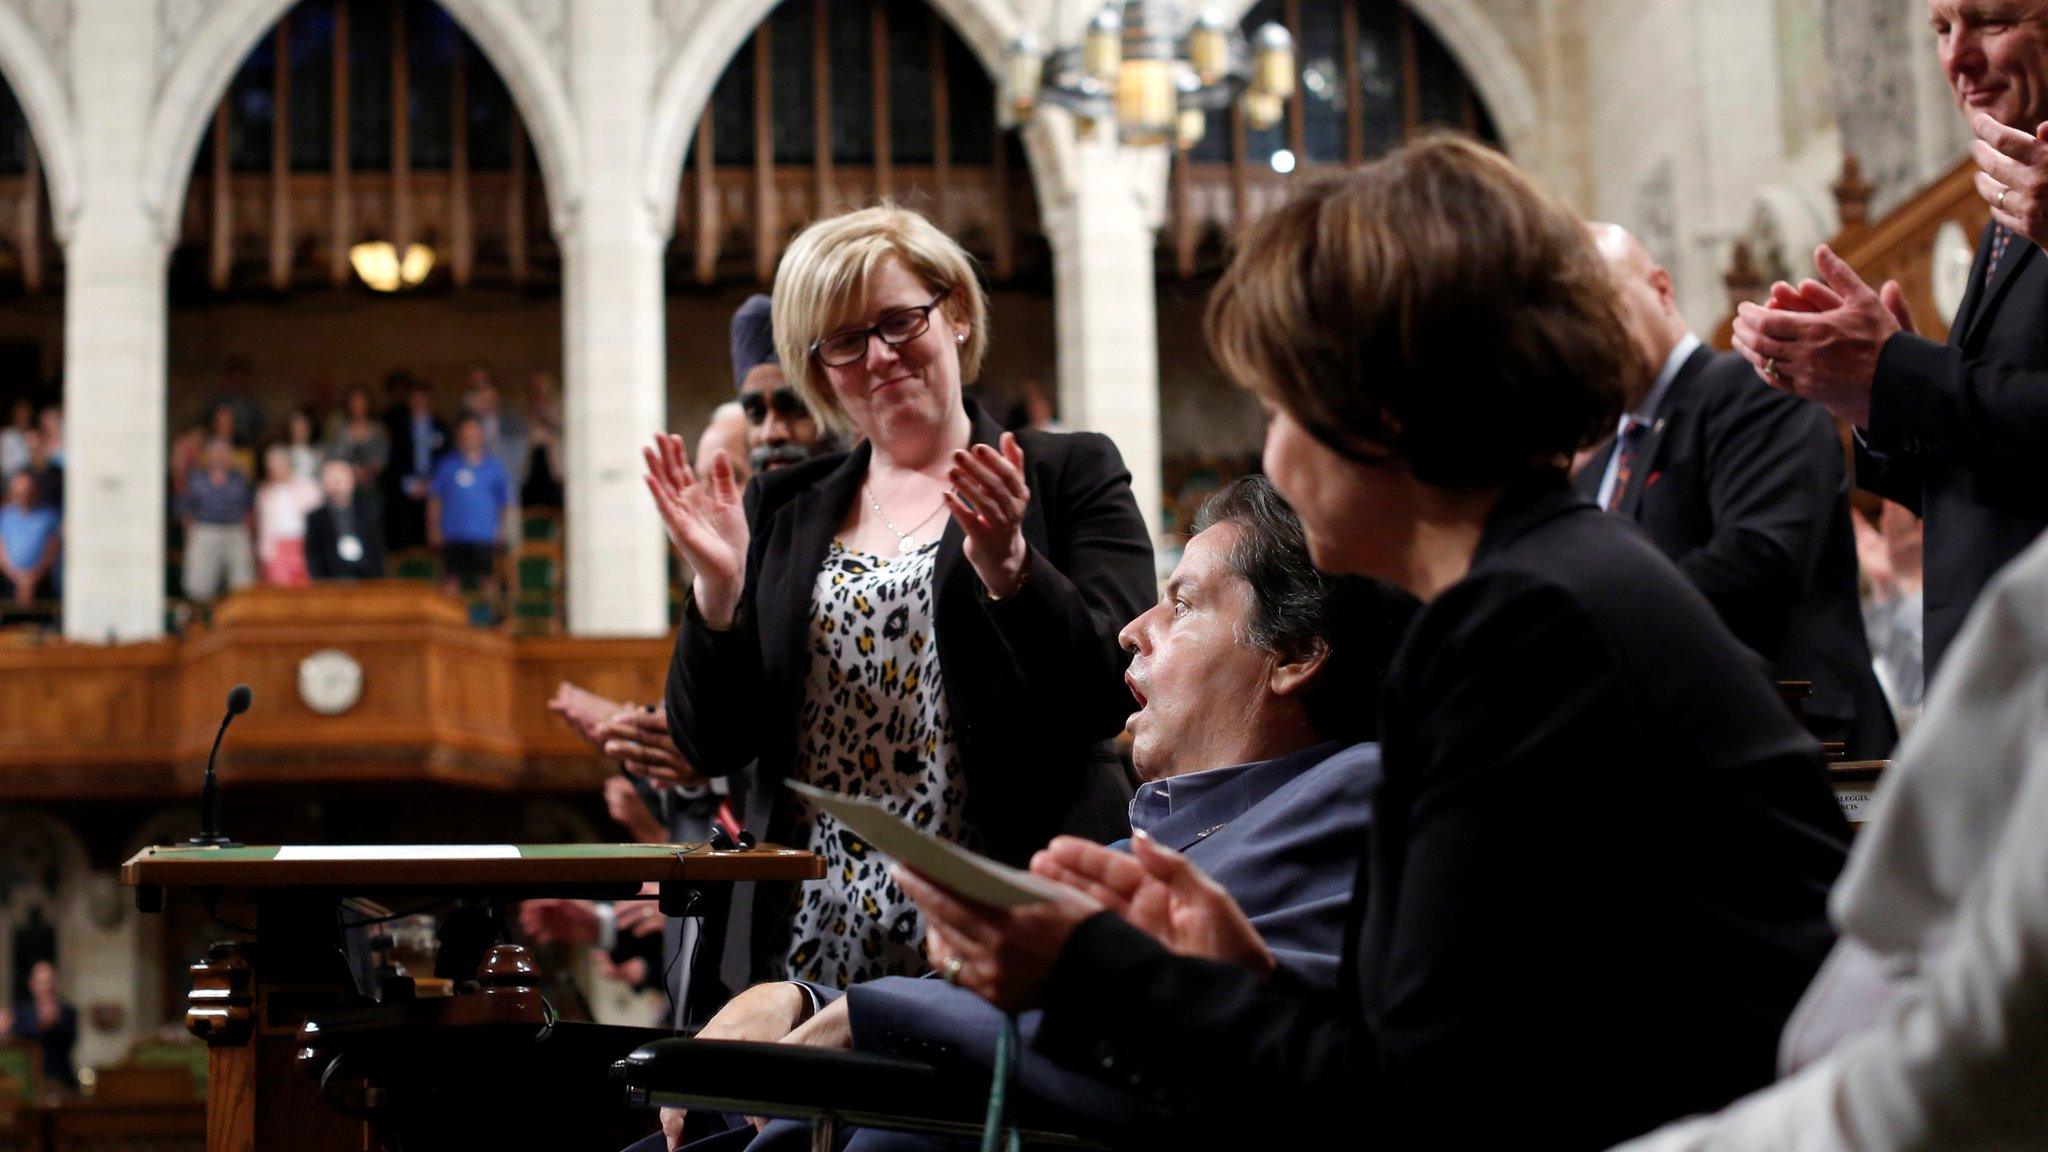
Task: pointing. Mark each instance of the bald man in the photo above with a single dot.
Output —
(1745, 489)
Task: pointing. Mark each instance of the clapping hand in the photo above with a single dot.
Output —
(1821, 341)
(1002, 955)
(639, 739)
(988, 500)
(705, 521)
(1163, 895)
(2012, 174)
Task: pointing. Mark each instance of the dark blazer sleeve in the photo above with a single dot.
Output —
(1060, 628)
(320, 545)
(1774, 471)
(716, 694)
(1501, 705)
(1932, 399)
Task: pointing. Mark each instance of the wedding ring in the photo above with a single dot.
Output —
(2000, 203)
(950, 970)
(1771, 369)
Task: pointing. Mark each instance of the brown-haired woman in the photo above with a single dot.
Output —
(1602, 847)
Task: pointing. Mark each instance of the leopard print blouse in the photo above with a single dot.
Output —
(875, 722)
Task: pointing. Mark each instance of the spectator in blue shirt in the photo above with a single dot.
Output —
(465, 508)
(29, 540)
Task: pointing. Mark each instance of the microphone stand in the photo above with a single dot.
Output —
(209, 797)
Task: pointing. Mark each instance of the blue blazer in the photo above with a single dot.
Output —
(1285, 837)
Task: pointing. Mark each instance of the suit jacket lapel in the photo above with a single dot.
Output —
(815, 516)
(1973, 292)
(1642, 468)
(1650, 454)
(2017, 254)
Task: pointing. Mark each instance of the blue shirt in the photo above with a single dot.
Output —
(26, 532)
(473, 497)
(224, 503)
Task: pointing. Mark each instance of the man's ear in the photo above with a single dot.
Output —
(1290, 675)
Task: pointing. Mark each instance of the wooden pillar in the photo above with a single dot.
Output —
(1354, 87)
(461, 234)
(1411, 78)
(28, 223)
(942, 126)
(515, 207)
(221, 252)
(709, 234)
(824, 200)
(767, 206)
(341, 210)
(878, 47)
(281, 160)
(401, 133)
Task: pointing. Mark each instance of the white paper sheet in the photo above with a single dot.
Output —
(943, 862)
(398, 852)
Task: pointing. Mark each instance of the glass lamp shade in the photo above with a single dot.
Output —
(1102, 50)
(380, 267)
(1209, 46)
(1273, 70)
(1022, 70)
(1145, 101)
(1261, 110)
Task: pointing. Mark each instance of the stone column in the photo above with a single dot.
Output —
(1100, 208)
(615, 371)
(115, 265)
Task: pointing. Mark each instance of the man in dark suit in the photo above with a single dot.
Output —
(418, 438)
(1745, 489)
(1957, 431)
(1247, 676)
(344, 541)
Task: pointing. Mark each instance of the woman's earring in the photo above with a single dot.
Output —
(959, 337)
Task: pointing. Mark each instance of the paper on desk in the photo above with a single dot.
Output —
(942, 862)
(398, 852)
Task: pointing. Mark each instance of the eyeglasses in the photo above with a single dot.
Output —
(784, 402)
(896, 328)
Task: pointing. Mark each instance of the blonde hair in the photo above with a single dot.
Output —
(822, 284)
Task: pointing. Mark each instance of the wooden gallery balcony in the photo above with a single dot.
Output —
(379, 682)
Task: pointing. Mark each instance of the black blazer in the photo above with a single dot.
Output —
(1034, 682)
(1745, 489)
(1958, 433)
(1597, 883)
(323, 559)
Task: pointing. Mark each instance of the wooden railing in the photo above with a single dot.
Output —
(1899, 247)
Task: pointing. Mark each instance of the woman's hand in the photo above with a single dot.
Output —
(706, 523)
(989, 497)
(639, 739)
(1002, 955)
(1163, 895)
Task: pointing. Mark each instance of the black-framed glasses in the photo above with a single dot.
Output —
(783, 401)
(896, 328)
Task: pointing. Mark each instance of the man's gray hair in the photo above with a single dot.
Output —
(1292, 610)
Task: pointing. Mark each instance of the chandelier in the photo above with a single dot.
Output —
(1142, 65)
(380, 265)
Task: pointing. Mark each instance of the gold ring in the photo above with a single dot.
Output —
(950, 970)
(2002, 194)
(1771, 369)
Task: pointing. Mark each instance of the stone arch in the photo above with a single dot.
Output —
(206, 63)
(42, 866)
(46, 102)
(685, 81)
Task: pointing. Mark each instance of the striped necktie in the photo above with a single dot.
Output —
(2001, 239)
(1625, 448)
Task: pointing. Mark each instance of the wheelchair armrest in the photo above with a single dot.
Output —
(795, 1082)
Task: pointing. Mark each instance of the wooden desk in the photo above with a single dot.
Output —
(250, 999)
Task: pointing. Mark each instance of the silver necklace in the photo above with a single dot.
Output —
(904, 542)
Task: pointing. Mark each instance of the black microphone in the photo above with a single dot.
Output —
(209, 796)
